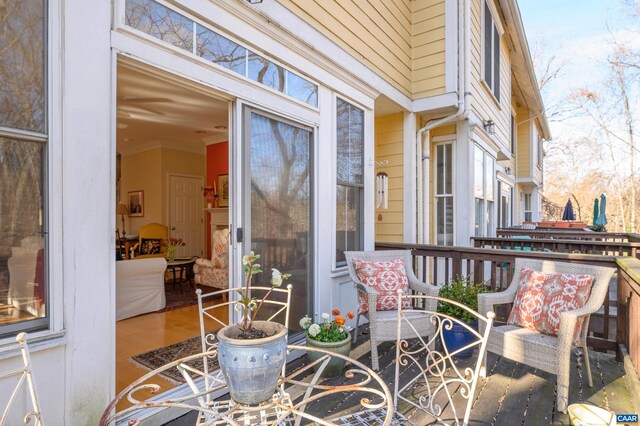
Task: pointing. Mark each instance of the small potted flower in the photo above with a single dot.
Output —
(251, 353)
(465, 291)
(331, 335)
(171, 245)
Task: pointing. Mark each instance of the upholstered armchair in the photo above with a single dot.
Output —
(545, 352)
(150, 241)
(215, 272)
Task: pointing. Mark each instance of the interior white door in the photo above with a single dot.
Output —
(186, 214)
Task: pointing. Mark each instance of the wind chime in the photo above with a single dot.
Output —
(382, 190)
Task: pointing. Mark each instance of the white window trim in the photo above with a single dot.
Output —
(484, 231)
(524, 206)
(448, 140)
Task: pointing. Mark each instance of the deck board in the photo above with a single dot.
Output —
(512, 393)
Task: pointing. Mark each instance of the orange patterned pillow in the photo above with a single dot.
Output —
(543, 296)
(386, 278)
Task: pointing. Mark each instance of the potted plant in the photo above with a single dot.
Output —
(251, 353)
(171, 245)
(331, 335)
(463, 290)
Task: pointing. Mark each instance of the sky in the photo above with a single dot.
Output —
(578, 33)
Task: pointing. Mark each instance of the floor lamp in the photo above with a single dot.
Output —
(122, 210)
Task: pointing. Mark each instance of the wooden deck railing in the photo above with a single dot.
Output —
(607, 248)
(628, 327)
(440, 264)
(570, 235)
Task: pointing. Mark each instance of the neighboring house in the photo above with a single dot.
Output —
(318, 97)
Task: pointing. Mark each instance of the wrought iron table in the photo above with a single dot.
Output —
(295, 393)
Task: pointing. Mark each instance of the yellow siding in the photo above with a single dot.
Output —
(428, 33)
(389, 147)
(376, 32)
(484, 103)
(523, 151)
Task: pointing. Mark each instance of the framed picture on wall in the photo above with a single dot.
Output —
(223, 184)
(136, 203)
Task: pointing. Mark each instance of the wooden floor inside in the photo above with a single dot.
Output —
(151, 331)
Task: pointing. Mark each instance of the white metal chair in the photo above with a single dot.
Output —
(547, 353)
(212, 380)
(24, 373)
(383, 324)
(443, 380)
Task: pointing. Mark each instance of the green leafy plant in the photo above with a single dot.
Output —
(463, 290)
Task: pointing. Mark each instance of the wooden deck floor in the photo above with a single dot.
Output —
(512, 394)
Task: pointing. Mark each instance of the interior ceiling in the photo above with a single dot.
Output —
(153, 111)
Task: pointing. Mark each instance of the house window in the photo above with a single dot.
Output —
(504, 208)
(483, 188)
(539, 152)
(23, 167)
(444, 194)
(491, 53)
(350, 183)
(528, 216)
(513, 134)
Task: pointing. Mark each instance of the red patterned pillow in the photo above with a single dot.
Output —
(543, 296)
(386, 278)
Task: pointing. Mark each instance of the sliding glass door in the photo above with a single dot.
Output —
(278, 203)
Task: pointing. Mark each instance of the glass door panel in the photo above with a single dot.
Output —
(278, 205)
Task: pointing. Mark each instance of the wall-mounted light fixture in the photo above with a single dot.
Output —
(507, 170)
(489, 127)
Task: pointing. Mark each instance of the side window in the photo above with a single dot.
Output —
(444, 194)
(349, 179)
(484, 192)
(491, 52)
(23, 166)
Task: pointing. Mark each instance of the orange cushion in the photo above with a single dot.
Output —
(386, 278)
(543, 296)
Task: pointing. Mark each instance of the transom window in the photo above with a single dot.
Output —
(491, 53)
(484, 188)
(160, 21)
(23, 167)
(350, 181)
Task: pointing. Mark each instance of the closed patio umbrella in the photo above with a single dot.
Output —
(596, 210)
(568, 211)
(602, 217)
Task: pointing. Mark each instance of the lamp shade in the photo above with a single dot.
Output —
(122, 209)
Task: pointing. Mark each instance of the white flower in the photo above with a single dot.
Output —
(305, 322)
(314, 329)
(341, 329)
(325, 316)
(276, 278)
(247, 258)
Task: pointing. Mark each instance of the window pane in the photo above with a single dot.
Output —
(479, 217)
(22, 256)
(489, 217)
(448, 187)
(440, 175)
(440, 220)
(449, 221)
(266, 72)
(216, 48)
(513, 134)
(350, 142)
(22, 87)
(490, 178)
(302, 89)
(160, 22)
(496, 63)
(488, 30)
(348, 221)
(478, 173)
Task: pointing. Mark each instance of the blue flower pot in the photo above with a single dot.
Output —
(459, 337)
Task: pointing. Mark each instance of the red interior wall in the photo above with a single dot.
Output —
(217, 164)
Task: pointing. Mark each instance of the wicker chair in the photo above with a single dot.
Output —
(383, 324)
(547, 353)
